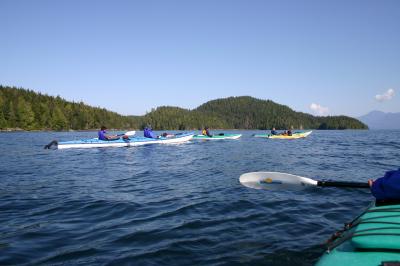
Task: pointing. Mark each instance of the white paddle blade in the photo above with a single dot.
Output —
(130, 133)
(275, 181)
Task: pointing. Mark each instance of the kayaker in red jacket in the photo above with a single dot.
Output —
(386, 188)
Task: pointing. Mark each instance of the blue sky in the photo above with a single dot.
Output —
(131, 56)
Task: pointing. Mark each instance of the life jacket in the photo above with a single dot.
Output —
(387, 187)
(148, 133)
(101, 134)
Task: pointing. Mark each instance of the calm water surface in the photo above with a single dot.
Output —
(180, 204)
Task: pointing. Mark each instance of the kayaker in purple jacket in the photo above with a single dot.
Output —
(103, 134)
(148, 133)
(386, 187)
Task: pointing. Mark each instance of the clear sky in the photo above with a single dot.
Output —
(131, 56)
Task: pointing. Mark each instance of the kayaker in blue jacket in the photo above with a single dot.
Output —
(273, 131)
(148, 133)
(103, 134)
(386, 187)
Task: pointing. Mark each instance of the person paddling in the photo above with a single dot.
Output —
(206, 132)
(148, 133)
(273, 131)
(386, 189)
(103, 134)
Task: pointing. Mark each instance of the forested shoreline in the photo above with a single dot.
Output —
(22, 109)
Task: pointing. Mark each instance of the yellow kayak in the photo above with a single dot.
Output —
(296, 135)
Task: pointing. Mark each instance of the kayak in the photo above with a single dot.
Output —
(133, 141)
(296, 135)
(373, 238)
(218, 137)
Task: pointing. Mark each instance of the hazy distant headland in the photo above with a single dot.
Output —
(381, 120)
(29, 110)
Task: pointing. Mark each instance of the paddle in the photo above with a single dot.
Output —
(278, 181)
(128, 133)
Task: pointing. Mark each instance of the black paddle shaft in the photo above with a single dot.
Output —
(342, 184)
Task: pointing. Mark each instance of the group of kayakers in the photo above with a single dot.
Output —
(147, 133)
(284, 133)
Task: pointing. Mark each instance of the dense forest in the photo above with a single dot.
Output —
(249, 113)
(29, 110)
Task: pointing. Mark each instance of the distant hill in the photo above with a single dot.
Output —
(250, 113)
(381, 120)
(28, 110)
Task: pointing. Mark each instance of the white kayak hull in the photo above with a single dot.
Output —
(218, 137)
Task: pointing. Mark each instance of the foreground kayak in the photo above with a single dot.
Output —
(296, 135)
(371, 239)
(133, 141)
(216, 137)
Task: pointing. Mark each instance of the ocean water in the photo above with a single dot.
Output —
(180, 204)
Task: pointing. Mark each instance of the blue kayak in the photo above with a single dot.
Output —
(133, 141)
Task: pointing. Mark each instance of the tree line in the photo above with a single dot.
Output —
(29, 110)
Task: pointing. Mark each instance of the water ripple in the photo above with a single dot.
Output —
(180, 204)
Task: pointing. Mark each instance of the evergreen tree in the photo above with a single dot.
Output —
(9, 114)
(25, 115)
(3, 122)
(59, 121)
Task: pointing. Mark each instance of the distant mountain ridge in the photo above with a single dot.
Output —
(28, 110)
(381, 120)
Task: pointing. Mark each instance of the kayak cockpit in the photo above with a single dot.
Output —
(370, 239)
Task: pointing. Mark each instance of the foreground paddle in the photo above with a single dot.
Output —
(279, 181)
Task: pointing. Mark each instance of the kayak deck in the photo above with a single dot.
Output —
(218, 137)
(135, 141)
(371, 239)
